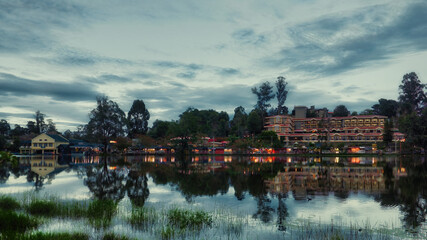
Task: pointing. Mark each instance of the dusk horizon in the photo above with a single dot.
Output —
(58, 57)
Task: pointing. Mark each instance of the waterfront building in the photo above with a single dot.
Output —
(48, 143)
(349, 129)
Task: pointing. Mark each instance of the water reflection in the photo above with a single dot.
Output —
(274, 185)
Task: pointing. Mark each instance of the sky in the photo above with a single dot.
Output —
(57, 56)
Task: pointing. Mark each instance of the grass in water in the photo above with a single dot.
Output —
(142, 217)
(16, 222)
(113, 236)
(49, 236)
(8, 204)
(188, 219)
(100, 212)
(42, 208)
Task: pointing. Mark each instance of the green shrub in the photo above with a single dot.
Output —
(189, 219)
(100, 212)
(113, 236)
(7, 203)
(14, 222)
(142, 217)
(42, 208)
(50, 236)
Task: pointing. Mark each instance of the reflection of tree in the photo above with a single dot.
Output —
(4, 173)
(105, 183)
(282, 211)
(137, 188)
(202, 184)
(239, 182)
(258, 189)
(409, 192)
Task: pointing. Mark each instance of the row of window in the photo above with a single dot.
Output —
(42, 144)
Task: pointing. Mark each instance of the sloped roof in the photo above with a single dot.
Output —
(58, 137)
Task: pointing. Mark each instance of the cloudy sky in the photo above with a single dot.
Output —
(57, 56)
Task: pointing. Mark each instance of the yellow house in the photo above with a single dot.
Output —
(47, 143)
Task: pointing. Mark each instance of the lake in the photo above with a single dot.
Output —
(270, 194)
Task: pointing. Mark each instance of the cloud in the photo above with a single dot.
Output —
(336, 44)
(13, 85)
(107, 78)
(228, 72)
(187, 75)
(26, 25)
(248, 36)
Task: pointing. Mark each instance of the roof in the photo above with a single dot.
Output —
(58, 137)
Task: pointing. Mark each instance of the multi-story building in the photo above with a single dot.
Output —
(356, 129)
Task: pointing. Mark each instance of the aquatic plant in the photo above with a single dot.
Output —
(8, 203)
(189, 219)
(100, 212)
(142, 217)
(113, 236)
(42, 208)
(49, 236)
(16, 222)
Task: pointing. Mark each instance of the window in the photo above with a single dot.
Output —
(50, 144)
(35, 144)
(45, 140)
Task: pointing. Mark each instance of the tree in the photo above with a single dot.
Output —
(388, 134)
(159, 129)
(386, 107)
(281, 95)
(50, 127)
(138, 117)
(4, 127)
(239, 122)
(40, 124)
(354, 113)
(18, 131)
(264, 95)
(32, 127)
(367, 111)
(411, 95)
(341, 111)
(106, 121)
(255, 121)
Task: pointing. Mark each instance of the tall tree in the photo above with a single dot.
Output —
(40, 124)
(386, 107)
(388, 134)
(239, 122)
(138, 117)
(106, 121)
(50, 127)
(4, 127)
(341, 111)
(411, 95)
(281, 95)
(255, 122)
(264, 95)
(32, 127)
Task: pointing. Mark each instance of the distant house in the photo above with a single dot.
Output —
(48, 143)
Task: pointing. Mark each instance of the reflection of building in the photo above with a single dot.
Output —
(355, 129)
(44, 165)
(321, 179)
(47, 143)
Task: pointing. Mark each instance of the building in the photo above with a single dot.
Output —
(48, 143)
(354, 129)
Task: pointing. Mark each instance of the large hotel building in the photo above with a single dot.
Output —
(324, 127)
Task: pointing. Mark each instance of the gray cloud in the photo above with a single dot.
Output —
(228, 72)
(320, 49)
(107, 78)
(248, 36)
(25, 25)
(187, 75)
(16, 86)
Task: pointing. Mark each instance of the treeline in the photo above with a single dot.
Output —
(107, 121)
